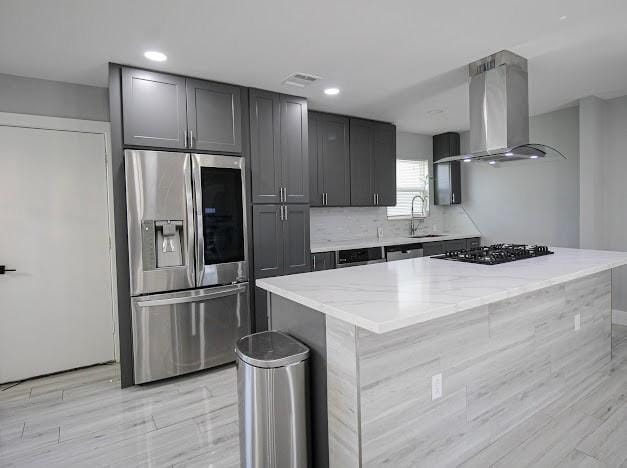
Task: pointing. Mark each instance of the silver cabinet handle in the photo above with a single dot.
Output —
(201, 297)
(377, 198)
(314, 261)
(285, 212)
(322, 195)
(281, 211)
(326, 198)
(185, 134)
(374, 198)
(191, 138)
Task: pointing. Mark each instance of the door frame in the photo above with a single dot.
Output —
(41, 122)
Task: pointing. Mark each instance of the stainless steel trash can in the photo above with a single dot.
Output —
(272, 386)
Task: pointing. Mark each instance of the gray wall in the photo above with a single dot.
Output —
(23, 95)
(531, 201)
(613, 192)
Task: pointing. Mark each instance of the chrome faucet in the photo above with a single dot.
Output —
(412, 226)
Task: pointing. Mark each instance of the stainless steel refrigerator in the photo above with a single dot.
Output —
(188, 260)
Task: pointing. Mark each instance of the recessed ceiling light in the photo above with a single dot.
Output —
(435, 112)
(563, 18)
(467, 160)
(509, 153)
(332, 91)
(492, 162)
(155, 56)
(534, 156)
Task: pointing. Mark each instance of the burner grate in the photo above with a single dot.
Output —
(495, 254)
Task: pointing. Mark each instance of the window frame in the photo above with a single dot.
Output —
(425, 192)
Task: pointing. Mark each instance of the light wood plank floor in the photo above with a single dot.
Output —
(83, 418)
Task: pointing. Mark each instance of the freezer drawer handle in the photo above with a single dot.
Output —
(181, 300)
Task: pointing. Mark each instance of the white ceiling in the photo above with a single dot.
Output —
(393, 60)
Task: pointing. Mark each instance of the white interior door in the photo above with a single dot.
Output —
(56, 309)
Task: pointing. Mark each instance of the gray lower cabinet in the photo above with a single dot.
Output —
(169, 111)
(460, 244)
(280, 239)
(322, 261)
(214, 116)
(432, 248)
(296, 239)
(268, 240)
(329, 164)
(154, 109)
(473, 242)
(278, 148)
(261, 310)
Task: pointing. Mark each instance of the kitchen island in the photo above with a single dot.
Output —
(505, 340)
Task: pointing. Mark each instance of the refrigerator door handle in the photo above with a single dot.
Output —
(199, 229)
(231, 290)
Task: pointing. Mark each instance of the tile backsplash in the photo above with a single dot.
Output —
(340, 224)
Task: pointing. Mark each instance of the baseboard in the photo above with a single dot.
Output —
(619, 317)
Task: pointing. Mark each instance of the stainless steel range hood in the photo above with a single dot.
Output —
(499, 112)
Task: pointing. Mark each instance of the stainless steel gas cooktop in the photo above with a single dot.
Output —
(496, 254)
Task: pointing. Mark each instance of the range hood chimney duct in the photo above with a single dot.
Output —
(499, 112)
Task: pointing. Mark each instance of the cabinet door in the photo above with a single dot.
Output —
(214, 116)
(447, 177)
(333, 162)
(153, 109)
(385, 164)
(296, 239)
(315, 181)
(322, 261)
(432, 248)
(261, 310)
(455, 245)
(265, 151)
(268, 240)
(473, 243)
(362, 162)
(294, 149)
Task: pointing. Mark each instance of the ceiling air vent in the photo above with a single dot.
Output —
(301, 79)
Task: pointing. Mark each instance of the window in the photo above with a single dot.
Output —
(412, 178)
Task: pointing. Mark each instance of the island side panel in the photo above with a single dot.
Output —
(308, 326)
(501, 364)
(343, 395)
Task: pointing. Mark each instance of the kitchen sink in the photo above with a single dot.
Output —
(427, 235)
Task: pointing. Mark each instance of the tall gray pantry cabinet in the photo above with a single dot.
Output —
(280, 188)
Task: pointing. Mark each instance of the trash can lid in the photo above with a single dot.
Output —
(271, 349)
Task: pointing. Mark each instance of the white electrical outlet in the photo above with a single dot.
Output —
(577, 322)
(436, 386)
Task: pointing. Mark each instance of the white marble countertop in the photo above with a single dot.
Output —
(389, 296)
(363, 243)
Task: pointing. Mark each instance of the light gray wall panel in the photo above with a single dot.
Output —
(528, 202)
(23, 95)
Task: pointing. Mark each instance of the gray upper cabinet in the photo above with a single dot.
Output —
(385, 164)
(362, 162)
(329, 163)
(265, 149)
(296, 239)
(281, 239)
(268, 240)
(372, 163)
(168, 111)
(154, 109)
(279, 148)
(294, 149)
(447, 176)
(214, 116)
